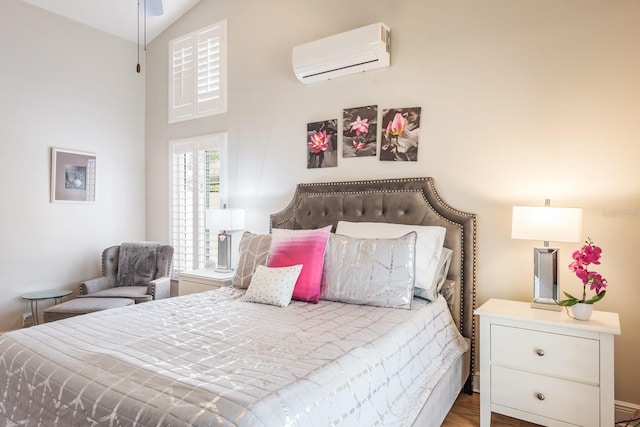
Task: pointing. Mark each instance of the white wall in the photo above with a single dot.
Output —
(521, 101)
(64, 85)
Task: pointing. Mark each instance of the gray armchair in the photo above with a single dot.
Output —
(137, 270)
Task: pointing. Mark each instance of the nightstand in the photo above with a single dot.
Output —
(191, 282)
(545, 367)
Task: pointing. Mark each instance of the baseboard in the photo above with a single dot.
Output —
(625, 410)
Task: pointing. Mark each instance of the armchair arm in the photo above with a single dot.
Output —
(160, 288)
(94, 285)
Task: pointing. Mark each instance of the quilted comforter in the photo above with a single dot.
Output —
(209, 359)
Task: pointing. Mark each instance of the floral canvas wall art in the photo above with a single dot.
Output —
(399, 134)
(359, 131)
(322, 144)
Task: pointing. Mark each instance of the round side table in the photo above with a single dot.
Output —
(34, 297)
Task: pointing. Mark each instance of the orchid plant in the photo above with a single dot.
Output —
(582, 258)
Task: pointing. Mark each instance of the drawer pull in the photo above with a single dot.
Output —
(540, 352)
(540, 396)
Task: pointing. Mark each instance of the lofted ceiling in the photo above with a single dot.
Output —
(117, 17)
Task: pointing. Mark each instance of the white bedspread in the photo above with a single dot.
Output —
(208, 359)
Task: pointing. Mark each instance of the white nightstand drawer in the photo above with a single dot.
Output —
(546, 353)
(561, 400)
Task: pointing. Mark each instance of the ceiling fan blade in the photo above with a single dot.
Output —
(153, 7)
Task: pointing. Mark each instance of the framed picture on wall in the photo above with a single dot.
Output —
(73, 176)
(359, 131)
(322, 144)
(399, 134)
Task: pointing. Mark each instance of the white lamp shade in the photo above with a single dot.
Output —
(225, 219)
(547, 224)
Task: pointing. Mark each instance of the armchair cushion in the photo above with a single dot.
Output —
(136, 293)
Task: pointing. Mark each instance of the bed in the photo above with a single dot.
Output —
(212, 359)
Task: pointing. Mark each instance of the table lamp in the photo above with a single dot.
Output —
(226, 221)
(547, 224)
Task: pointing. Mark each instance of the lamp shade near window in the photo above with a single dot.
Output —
(547, 224)
(225, 221)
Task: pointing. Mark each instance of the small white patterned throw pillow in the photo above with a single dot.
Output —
(272, 285)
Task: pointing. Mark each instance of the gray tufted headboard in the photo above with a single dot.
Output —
(403, 201)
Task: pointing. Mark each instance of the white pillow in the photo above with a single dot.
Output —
(428, 245)
(272, 285)
(442, 271)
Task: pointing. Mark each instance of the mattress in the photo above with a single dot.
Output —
(209, 359)
(445, 393)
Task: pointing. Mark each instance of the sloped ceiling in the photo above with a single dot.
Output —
(117, 17)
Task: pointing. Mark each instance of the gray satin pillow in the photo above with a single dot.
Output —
(379, 272)
(254, 250)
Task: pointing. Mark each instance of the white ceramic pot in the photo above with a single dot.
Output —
(582, 311)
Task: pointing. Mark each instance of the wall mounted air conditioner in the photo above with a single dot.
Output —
(362, 49)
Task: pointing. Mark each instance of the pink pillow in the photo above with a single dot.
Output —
(306, 247)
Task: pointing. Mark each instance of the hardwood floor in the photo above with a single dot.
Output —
(466, 412)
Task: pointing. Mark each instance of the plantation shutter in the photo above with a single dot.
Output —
(198, 74)
(211, 97)
(197, 183)
(182, 77)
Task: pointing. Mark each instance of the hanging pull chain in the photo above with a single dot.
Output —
(138, 46)
(145, 25)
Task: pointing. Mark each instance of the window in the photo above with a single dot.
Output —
(198, 74)
(197, 184)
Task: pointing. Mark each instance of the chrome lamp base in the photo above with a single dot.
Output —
(545, 279)
(553, 306)
(224, 253)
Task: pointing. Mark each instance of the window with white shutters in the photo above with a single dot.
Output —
(197, 74)
(197, 184)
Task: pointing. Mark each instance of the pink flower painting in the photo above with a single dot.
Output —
(359, 131)
(322, 144)
(401, 134)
